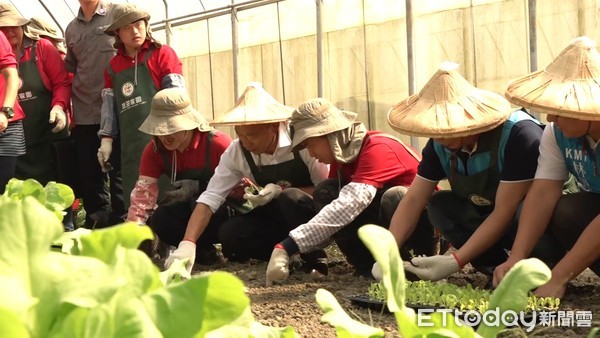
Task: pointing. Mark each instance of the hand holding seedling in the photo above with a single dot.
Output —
(185, 250)
(265, 195)
(433, 268)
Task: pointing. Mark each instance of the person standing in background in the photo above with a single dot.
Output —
(88, 53)
(12, 138)
(140, 69)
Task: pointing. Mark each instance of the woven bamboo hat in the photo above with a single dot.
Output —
(171, 111)
(10, 17)
(254, 106)
(569, 86)
(448, 107)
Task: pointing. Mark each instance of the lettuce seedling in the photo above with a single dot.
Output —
(524, 276)
(105, 287)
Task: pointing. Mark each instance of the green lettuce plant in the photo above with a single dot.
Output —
(511, 294)
(105, 287)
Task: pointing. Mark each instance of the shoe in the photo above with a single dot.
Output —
(210, 257)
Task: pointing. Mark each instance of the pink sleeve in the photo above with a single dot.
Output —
(143, 200)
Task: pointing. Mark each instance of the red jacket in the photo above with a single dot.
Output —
(7, 59)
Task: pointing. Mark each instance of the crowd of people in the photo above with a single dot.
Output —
(296, 179)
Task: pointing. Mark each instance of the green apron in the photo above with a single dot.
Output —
(201, 175)
(36, 100)
(133, 97)
(479, 189)
(293, 173)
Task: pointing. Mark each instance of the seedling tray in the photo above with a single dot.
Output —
(365, 301)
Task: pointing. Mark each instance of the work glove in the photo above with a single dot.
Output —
(268, 193)
(433, 268)
(184, 190)
(278, 268)
(376, 272)
(104, 153)
(185, 250)
(58, 116)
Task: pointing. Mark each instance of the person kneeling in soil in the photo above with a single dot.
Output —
(187, 150)
(369, 174)
(488, 153)
(565, 91)
(261, 153)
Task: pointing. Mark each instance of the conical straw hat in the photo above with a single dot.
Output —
(569, 86)
(254, 106)
(447, 107)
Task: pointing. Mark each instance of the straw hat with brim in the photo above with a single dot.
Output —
(171, 111)
(318, 117)
(449, 107)
(10, 17)
(126, 14)
(569, 86)
(254, 106)
(40, 27)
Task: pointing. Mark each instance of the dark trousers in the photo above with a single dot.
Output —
(7, 170)
(379, 212)
(170, 221)
(457, 219)
(253, 235)
(101, 208)
(572, 214)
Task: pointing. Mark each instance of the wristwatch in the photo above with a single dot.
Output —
(8, 111)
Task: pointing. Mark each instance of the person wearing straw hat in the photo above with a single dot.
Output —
(369, 173)
(187, 150)
(44, 95)
(141, 68)
(261, 153)
(88, 53)
(43, 29)
(488, 153)
(568, 90)
(12, 138)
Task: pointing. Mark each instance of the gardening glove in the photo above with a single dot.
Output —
(376, 272)
(268, 193)
(433, 268)
(277, 270)
(58, 116)
(104, 153)
(185, 190)
(186, 249)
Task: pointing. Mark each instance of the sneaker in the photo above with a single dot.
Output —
(210, 257)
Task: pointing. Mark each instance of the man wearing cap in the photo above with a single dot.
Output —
(568, 92)
(369, 173)
(488, 153)
(262, 152)
(187, 150)
(88, 53)
(141, 67)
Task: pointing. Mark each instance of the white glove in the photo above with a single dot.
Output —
(104, 153)
(58, 116)
(432, 268)
(186, 249)
(268, 193)
(277, 270)
(376, 272)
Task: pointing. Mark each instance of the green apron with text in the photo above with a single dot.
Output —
(479, 189)
(133, 97)
(36, 100)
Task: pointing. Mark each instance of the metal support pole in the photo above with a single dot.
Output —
(167, 23)
(320, 91)
(532, 14)
(234, 50)
(414, 141)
